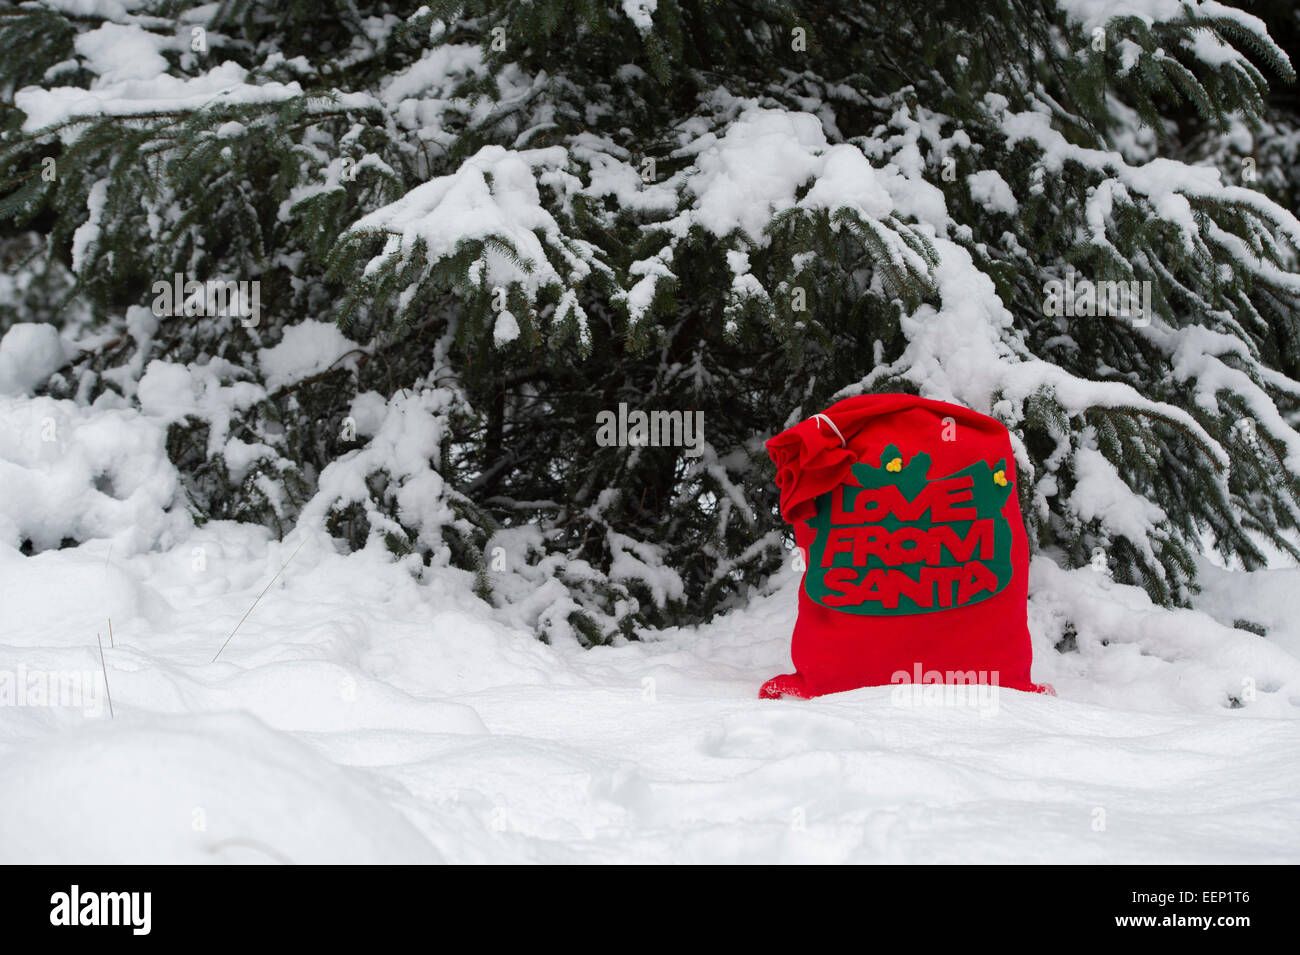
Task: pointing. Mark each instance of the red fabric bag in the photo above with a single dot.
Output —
(917, 563)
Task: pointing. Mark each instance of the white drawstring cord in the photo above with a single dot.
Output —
(822, 417)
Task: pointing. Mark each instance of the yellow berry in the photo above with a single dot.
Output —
(1000, 478)
(895, 465)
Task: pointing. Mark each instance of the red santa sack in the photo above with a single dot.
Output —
(917, 563)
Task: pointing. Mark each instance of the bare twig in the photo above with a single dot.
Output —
(103, 666)
(259, 597)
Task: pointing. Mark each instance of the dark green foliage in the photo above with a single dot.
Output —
(256, 191)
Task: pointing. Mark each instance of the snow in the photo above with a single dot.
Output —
(370, 709)
(29, 354)
(1264, 598)
(86, 237)
(641, 13)
(492, 196)
(752, 171)
(634, 560)
(373, 709)
(118, 53)
(405, 433)
(308, 347)
(193, 790)
(992, 192)
(611, 173)
(74, 472)
(1093, 14)
(1101, 494)
(131, 76)
(222, 85)
(433, 73)
(755, 169)
(505, 329)
(107, 9)
(361, 715)
(169, 392)
(1168, 184)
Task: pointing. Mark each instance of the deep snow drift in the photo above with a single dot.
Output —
(360, 714)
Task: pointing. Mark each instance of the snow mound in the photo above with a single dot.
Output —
(199, 789)
(29, 354)
(72, 472)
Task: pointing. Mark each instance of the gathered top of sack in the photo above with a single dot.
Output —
(818, 453)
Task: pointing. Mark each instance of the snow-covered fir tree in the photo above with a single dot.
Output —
(458, 233)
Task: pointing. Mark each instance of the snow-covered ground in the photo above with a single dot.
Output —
(360, 714)
(368, 709)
